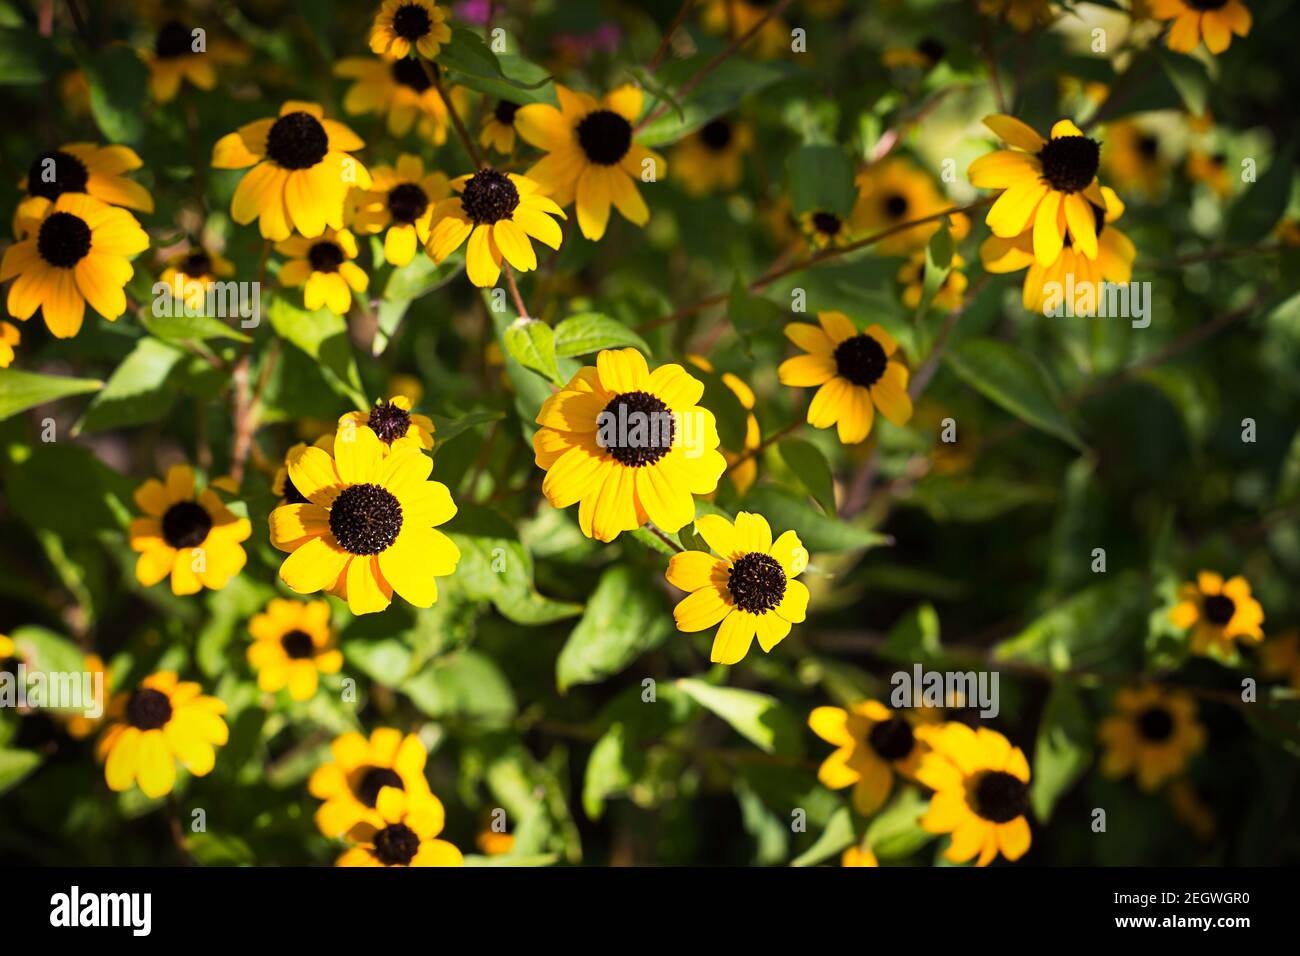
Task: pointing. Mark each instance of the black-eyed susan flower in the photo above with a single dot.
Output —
(911, 276)
(747, 585)
(361, 768)
(392, 420)
(1211, 169)
(76, 251)
(981, 786)
(592, 156)
(1279, 658)
(402, 92)
(892, 192)
(742, 474)
(77, 723)
(1044, 286)
(178, 55)
(193, 538)
(191, 273)
(498, 213)
(854, 373)
(497, 130)
(1047, 186)
(86, 168)
(1021, 14)
(825, 229)
(282, 486)
(713, 157)
(367, 529)
(858, 856)
(1153, 733)
(401, 200)
(1219, 613)
(10, 338)
(403, 26)
(1134, 159)
(161, 723)
(1190, 21)
(301, 171)
(292, 646)
(405, 836)
(875, 743)
(628, 445)
(324, 266)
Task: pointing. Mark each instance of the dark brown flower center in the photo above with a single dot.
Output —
(197, 265)
(1070, 162)
(365, 519)
(716, 134)
(407, 202)
(186, 525)
(411, 74)
(297, 141)
(505, 112)
(896, 205)
(374, 780)
(411, 21)
(605, 137)
(396, 845)
(1155, 724)
(174, 39)
(1206, 4)
(298, 645)
(827, 223)
(64, 239)
(389, 421)
(1147, 146)
(54, 173)
(892, 739)
(931, 49)
(861, 360)
(1219, 609)
(636, 428)
(756, 582)
(148, 709)
(1000, 797)
(489, 197)
(325, 256)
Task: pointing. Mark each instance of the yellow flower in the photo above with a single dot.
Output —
(855, 371)
(1220, 613)
(1279, 658)
(367, 529)
(78, 725)
(282, 486)
(403, 25)
(737, 17)
(858, 856)
(391, 419)
(401, 200)
(1113, 263)
(592, 156)
(400, 90)
(981, 786)
(890, 193)
(823, 228)
(742, 475)
(1153, 733)
(361, 768)
(75, 251)
(713, 157)
(400, 383)
(1133, 158)
(194, 539)
(403, 837)
(911, 276)
(1021, 14)
(749, 588)
(629, 444)
(498, 213)
(84, 168)
(192, 273)
(493, 843)
(324, 266)
(292, 646)
(874, 742)
(1215, 20)
(174, 58)
(151, 729)
(301, 171)
(10, 337)
(1211, 169)
(498, 128)
(1047, 186)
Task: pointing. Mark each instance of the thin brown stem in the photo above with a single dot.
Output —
(764, 445)
(514, 290)
(462, 133)
(662, 536)
(662, 50)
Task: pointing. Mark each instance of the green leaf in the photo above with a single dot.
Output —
(521, 82)
(219, 849)
(1063, 749)
(817, 531)
(20, 391)
(445, 429)
(1188, 76)
(1015, 380)
(532, 343)
(895, 832)
(468, 684)
(751, 315)
(183, 328)
(837, 837)
(1259, 208)
(138, 390)
(15, 765)
(625, 617)
(607, 772)
(469, 56)
(812, 469)
(63, 488)
(719, 92)
(821, 180)
(760, 718)
(26, 58)
(938, 263)
(592, 331)
(1098, 625)
(118, 93)
(323, 336)
(915, 637)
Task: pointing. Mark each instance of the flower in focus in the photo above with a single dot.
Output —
(75, 250)
(301, 171)
(1220, 613)
(162, 722)
(498, 213)
(395, 425)
(292, 646)
(1047, 186)
(747, 585)
(592, 156)
(712, 158)
(194, 539)
(10, 338)
(403, 25)
(890, 193)
(401, 91)
(190, 274)
(179, 55)
(743, 474)
(981, 786)
(1021, 14)
(628, 445)
(361, 768)
(324, 266)
(1190, 21)
(1153, 733)
(367, 528)
(498, 129)
(403, 837)
(874, 742)
(911, 276)
(1280, 658)
(854, 373)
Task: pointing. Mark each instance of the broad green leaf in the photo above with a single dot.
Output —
(219, 849)
(15, 765)
(532, 343)
(812, 469)
(752, 315)
(837, 837)
(445, 429)
(593, 331)
(895, 832)
(468, 684)
(323, 336)
(606, 772)
(1259, 208)
(760, 718)
(625, 617)
(467, 55)
(20, 391)
(118, 92)
(821, 180)
(817, 531)
(25, 58)
(1189, 77)
(63, 488)
(1063, 749)
(138, 390)
(521, 82)
(718, 93)
(938, 263)
(1096, 627)
(181, 328)
(915, 637)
